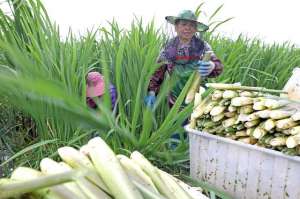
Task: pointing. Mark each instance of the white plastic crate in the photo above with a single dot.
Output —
(243, 170)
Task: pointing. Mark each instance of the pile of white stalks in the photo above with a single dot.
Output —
(250, 115)
(95, 172)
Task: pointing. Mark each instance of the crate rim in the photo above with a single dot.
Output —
(241, 144)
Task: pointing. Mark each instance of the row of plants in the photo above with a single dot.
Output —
(44, 77)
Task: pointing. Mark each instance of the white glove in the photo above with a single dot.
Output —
(205, 68)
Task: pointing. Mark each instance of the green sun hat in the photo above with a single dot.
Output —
(187, 15)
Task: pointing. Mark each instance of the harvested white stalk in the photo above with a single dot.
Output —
(242, 118)
(218, 117)
(87, 187)
(224, 102)
(49, 166)
(78, 160)
(252, 123)
(135, 172)
(259, 132)
(209, 107)
(153, 173)
(295, 130)
(174, 186)
(250, 131)
(232, 108)
(278, 141)
(275, 103)
(195, 192)
(258, 99)
(241, 101)
(111, 171)
(280, 114)
(252, 117)
(84, 150)
(217, 110)
(293, 141)
(242, 133)
(197, 99)
(146, 192)
(230, 114)
(230, 136)
(74, 157)
(258, 106)
(285, 123)
(196, 81)
(266, 139)
(228, 94)
(199, 110)
(4, 181)
(240, 127)
(268, 125)
(248, 140)
(193, 88)
(36, 181)
(198, 96)
(217, 94)
(25, 175)
(246, 94)
(229, 122)
(246, 109)
(192, 123)
(263, 114)
(296, 116)
(286, 131)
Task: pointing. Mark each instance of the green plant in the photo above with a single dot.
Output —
(45, 77)
(212, 23)
(261, 64)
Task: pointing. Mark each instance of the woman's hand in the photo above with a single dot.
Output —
(205, 68)
(150, 99)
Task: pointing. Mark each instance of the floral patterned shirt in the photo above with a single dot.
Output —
(174, 53)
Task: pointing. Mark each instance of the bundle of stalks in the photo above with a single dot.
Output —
(252, 115)
(96, 172)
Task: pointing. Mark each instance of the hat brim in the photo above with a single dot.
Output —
(96, 90)
(201, 27)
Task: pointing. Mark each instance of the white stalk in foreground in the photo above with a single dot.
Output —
(153, 173)
(134, 171)
(49, 166)
(87, 187)
(30, 180)
(78, 160)
(111, 171)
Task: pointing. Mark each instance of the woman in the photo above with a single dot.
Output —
(95, 88)
(183, 55)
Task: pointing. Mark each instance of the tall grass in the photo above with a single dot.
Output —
(45, 77)
(255, 63)
(38, 61)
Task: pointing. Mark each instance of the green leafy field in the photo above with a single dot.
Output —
(42, 104)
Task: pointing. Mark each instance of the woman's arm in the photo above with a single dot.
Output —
(217, 62)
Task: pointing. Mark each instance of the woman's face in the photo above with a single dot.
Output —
(185, 30)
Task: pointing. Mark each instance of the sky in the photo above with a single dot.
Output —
(269, 20)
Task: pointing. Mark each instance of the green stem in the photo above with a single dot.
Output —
(15, 188)
(246, 88)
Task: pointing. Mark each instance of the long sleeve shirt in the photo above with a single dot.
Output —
(174, 52)
(113, 96)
